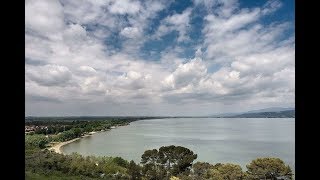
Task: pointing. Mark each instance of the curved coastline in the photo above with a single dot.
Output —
(56, 147)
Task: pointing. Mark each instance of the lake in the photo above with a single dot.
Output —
(234, 140)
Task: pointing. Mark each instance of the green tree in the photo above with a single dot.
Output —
(268, 168)
(134, 171)
(201, 170)
(226, 172)
(77, 132)
(176, 159)
(36, 141)
(120, 161)
(152, 169)
(168, 161)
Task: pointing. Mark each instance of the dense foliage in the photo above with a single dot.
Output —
(56, 127)
(48, 163)
(169, 162)
(66, 130)
(35, 141)
(74, 119)
(268, 168)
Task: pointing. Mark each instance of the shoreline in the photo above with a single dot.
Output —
(56, 146)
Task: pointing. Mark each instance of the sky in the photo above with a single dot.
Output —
(158, 58)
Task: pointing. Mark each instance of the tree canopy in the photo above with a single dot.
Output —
(268, 168)
(168, 161)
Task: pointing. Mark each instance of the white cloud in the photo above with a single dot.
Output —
(93, 85)
(47, 17)
(224, 8)
(49, 75)
(248, 59)
(70, 65)
(125, 7)
(86, 71)
(185, 74)
(130, 32)
(271, 6)
(176, 22)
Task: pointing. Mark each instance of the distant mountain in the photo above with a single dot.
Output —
(225, 114)
(272, 109)
(267, 110)
(278, 114)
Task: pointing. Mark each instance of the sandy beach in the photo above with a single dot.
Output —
(56, 146)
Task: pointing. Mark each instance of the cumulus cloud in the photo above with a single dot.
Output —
(85, 58)
(176, 22)
(49, 75)
(124, 7)
(185, 74)
(86, 71)
(130, 32)
(47, 17)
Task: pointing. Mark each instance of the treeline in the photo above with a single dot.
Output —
(57, 131)
(84, 126)
(169, 162)
(42, 126)
(75, 122)
(86, 118)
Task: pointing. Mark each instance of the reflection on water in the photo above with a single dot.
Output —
(213, 139)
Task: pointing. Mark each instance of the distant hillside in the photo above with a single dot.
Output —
(272, 109)
(267, 110)
(280, 114)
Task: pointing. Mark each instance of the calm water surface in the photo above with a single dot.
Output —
(234, 140)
